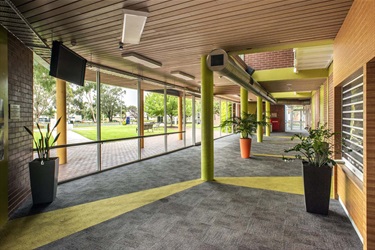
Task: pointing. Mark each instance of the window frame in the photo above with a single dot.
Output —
(354, 82)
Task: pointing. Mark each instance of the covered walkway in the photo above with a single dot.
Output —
(161, 203)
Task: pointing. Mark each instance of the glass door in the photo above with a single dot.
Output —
(295, 118)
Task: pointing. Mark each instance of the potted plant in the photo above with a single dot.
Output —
(44, 169)
(315, 151)
(246, 126)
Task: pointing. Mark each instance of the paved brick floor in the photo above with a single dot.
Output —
(83, 160)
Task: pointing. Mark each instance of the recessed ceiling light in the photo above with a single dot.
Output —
(182, 75)
(145, 61)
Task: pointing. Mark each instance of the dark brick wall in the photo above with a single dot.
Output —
(280, 111)
(270, 60)
(20, 92)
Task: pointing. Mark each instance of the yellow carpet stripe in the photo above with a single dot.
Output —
(282, 136)
(37, 230)
(286, 184)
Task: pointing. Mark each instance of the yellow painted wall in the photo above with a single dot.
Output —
(313, 110)
(321, 105)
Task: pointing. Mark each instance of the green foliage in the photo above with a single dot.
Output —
(226, 111)
(245, 125)
(111, 100)
(154, 105)
(188, 108)
(316, 148)
(85, 100)
(216, 107)
(44, 92)
(43, 143)
(133, 110)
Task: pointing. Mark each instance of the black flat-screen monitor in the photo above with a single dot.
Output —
(66, 64)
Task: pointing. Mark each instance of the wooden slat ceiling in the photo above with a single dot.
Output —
(317, 57)
(179, 32)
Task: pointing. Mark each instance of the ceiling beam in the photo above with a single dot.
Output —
(288, 74)
(292, 95)
(277, 47)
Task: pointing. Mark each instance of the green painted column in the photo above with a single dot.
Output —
(259, 118)
(244, 101)
(4, 127)
(313, 110)
(207, 127)
(268, 118)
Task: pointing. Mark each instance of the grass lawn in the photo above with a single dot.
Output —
(37, 136)
(114, 132)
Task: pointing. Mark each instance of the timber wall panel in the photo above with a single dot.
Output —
(354, 44)
(354, 47)
(369, 149)
(352, 197)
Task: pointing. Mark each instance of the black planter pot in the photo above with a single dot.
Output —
(43, 180)
(317, 184)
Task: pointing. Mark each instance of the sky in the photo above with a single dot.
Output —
(131, 97)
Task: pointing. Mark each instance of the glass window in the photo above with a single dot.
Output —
(118, 121)
(189, 119)
(198, 120)
(226, 113)
(175, 119)
(217, 115)
(352, 123)
(154, 121)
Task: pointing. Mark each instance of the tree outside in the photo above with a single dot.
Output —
(112, 99)
(188, 108)
(81, 100)
(154, 106)
(44, 89)
(133, 111)
(85, 100)
(226, 113)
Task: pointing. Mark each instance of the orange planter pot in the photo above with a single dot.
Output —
(245, 146)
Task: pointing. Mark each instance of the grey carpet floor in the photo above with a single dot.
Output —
(208, 216)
